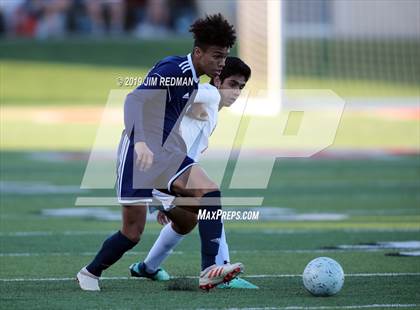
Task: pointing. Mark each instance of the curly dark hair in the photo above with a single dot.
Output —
(213, 30)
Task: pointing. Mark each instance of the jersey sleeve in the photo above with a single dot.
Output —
(208, 96)
(161, 70)
(150, 91)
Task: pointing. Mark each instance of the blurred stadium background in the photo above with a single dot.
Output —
(72, 52)
(59, 59)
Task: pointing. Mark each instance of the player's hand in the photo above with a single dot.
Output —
(144, 156)
(162, 218)
(198, 112)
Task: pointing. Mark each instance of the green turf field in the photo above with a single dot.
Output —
(40, 255)
(52, 97)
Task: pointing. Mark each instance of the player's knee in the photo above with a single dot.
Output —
(211, 194)
(179, 229)
(131, 235)
(133, 222)
(210, 188)
(185, 227)
(132, 232)
(135, 238)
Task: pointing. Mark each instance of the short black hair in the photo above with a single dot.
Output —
(234, 66)
(213, 30)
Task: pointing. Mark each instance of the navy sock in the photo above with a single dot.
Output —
(210, 231)
(112, 249)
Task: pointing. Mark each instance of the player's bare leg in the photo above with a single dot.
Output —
(195, 183)
(133, 221)
(182, 222)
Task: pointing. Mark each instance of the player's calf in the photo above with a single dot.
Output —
(210, 229)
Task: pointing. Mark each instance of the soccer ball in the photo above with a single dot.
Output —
(323, 276)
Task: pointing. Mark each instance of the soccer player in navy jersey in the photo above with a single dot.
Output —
(152, 155)
(197, 126)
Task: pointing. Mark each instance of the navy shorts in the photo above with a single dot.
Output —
(135, 186)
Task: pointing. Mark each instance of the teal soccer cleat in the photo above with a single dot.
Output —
(138, 270)
(238, 283)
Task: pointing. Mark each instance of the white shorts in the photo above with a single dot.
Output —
(166, 201)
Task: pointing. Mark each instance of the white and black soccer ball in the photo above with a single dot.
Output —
(323, 276)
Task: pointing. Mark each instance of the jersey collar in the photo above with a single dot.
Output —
(194, 74)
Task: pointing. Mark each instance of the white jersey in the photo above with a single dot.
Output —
(195, 132)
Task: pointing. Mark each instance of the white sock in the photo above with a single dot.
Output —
(167, 240)
(223, 254)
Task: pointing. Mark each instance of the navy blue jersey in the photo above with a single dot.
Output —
(156, 107)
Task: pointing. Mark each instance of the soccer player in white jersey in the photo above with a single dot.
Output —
(196, 127)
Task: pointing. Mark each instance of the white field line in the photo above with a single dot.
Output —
(112, 201)
(256, 276)
(29, 254)
(326, 307)
(384, 274)
(64, 233)
(236, 231)
(72, 254)
(51, 233)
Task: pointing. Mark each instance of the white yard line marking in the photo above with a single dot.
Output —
(326, 307)
(64, 233)
(256, 276)
(325, 231)
(235, 231)
(29, 254)
(51, 233)
(73, 254)
(390, 274)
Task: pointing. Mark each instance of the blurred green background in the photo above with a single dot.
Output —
(78, 72)
(74, 77)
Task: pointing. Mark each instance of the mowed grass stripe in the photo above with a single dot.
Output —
(238, 241)
(318, 251)
(256, 276)
(246, 230)
(366, 224)
(131, 294)
(326, 307)
(188, 264)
